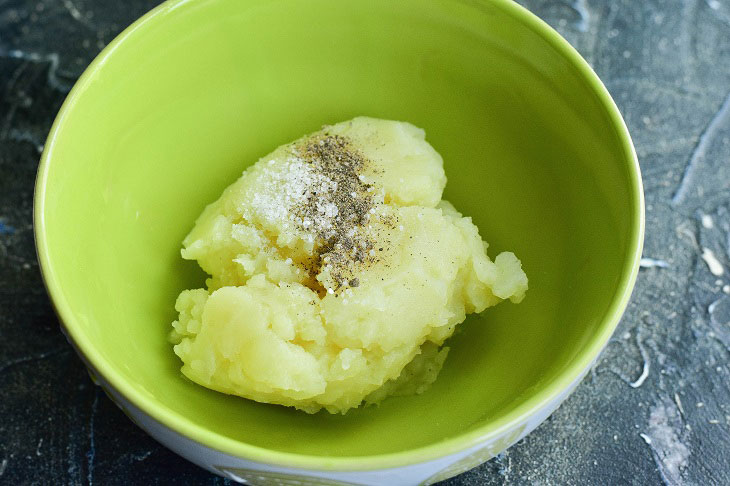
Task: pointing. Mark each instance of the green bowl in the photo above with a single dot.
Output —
(181, 102)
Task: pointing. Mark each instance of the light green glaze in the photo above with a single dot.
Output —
(175, 108)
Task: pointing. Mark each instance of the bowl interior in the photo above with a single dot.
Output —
(175, 111)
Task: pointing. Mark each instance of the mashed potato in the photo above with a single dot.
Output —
(336, 273)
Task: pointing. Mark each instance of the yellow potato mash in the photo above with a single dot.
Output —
(336, 273)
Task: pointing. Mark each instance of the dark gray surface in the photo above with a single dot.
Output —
(667, 64)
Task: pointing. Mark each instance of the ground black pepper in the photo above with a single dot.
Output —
(338, 210)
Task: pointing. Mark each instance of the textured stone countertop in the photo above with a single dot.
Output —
(656, 408)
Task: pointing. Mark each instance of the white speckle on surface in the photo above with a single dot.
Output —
(700, 404)
(713, 4)
(38, 448)
(671, 454)
(707, 221)
(71, 8)
(585, 16)
(142, 457)
(288, 261)
(719, 311)
(3, 466)
(642, 378)
(712, 262)
(652, 262)
(626, 335)
(645, 367)
(713, 421)
(91, 453)
(685, 232)
(700, 151)
(679, 403)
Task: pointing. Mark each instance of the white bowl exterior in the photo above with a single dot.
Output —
(257, 473)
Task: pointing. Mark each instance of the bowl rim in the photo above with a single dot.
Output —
(541, 400)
